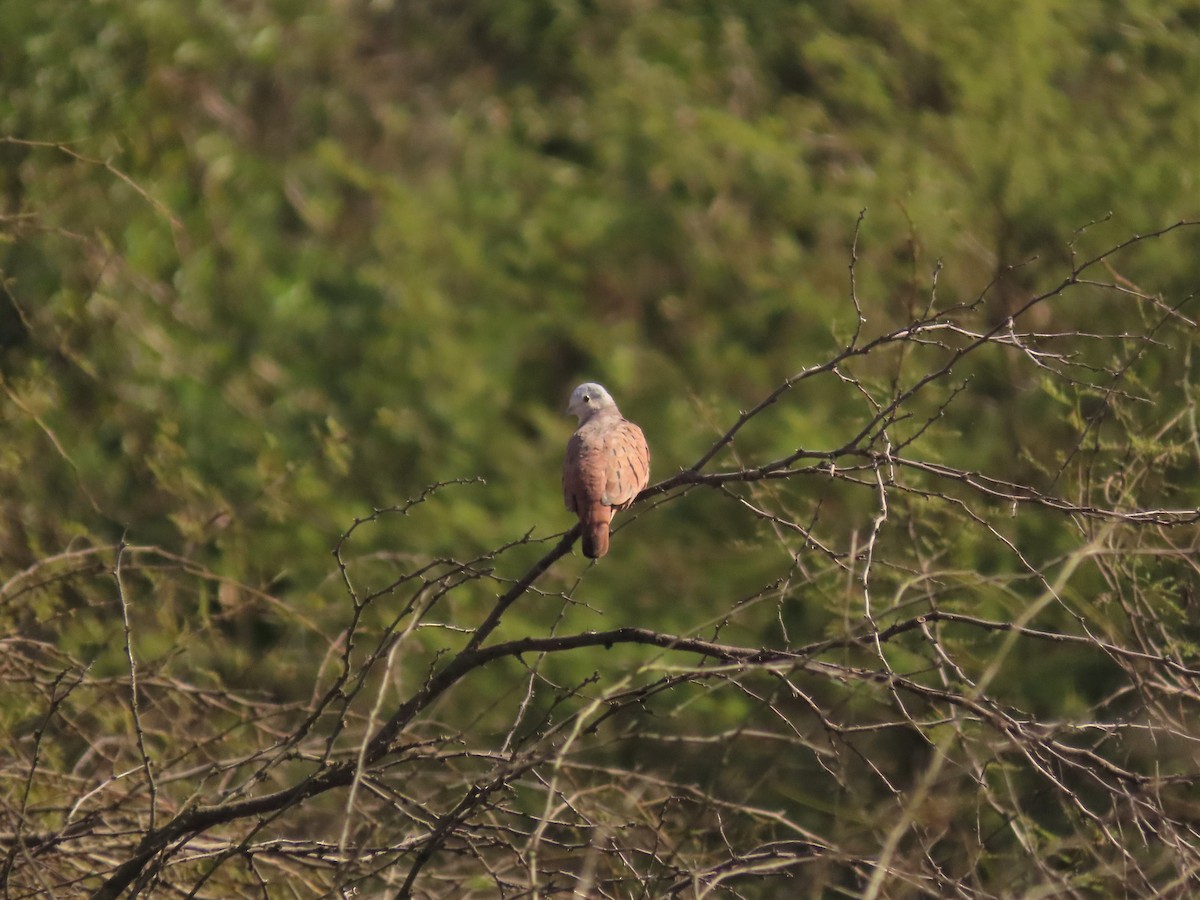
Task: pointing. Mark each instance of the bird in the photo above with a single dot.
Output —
(607, 464)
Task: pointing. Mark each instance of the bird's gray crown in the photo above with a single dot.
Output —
(588, 399)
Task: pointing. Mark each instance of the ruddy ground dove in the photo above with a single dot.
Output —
(607, 465)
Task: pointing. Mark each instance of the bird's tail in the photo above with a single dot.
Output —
(595, 531)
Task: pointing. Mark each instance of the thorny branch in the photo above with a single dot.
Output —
(588, 782)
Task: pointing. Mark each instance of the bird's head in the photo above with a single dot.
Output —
(589, 399)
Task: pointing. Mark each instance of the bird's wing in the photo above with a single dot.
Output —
(626, 461)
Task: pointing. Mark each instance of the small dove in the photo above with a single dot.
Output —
(607, 465)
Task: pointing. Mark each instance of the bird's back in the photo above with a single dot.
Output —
(607, 466)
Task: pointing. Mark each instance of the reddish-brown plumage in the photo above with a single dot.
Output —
(607, 465)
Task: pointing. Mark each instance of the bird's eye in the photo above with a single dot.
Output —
(587, 398)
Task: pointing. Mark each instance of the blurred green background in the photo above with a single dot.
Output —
(296, 259)
(268, 266)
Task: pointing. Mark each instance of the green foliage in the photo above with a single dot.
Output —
(269, 267)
